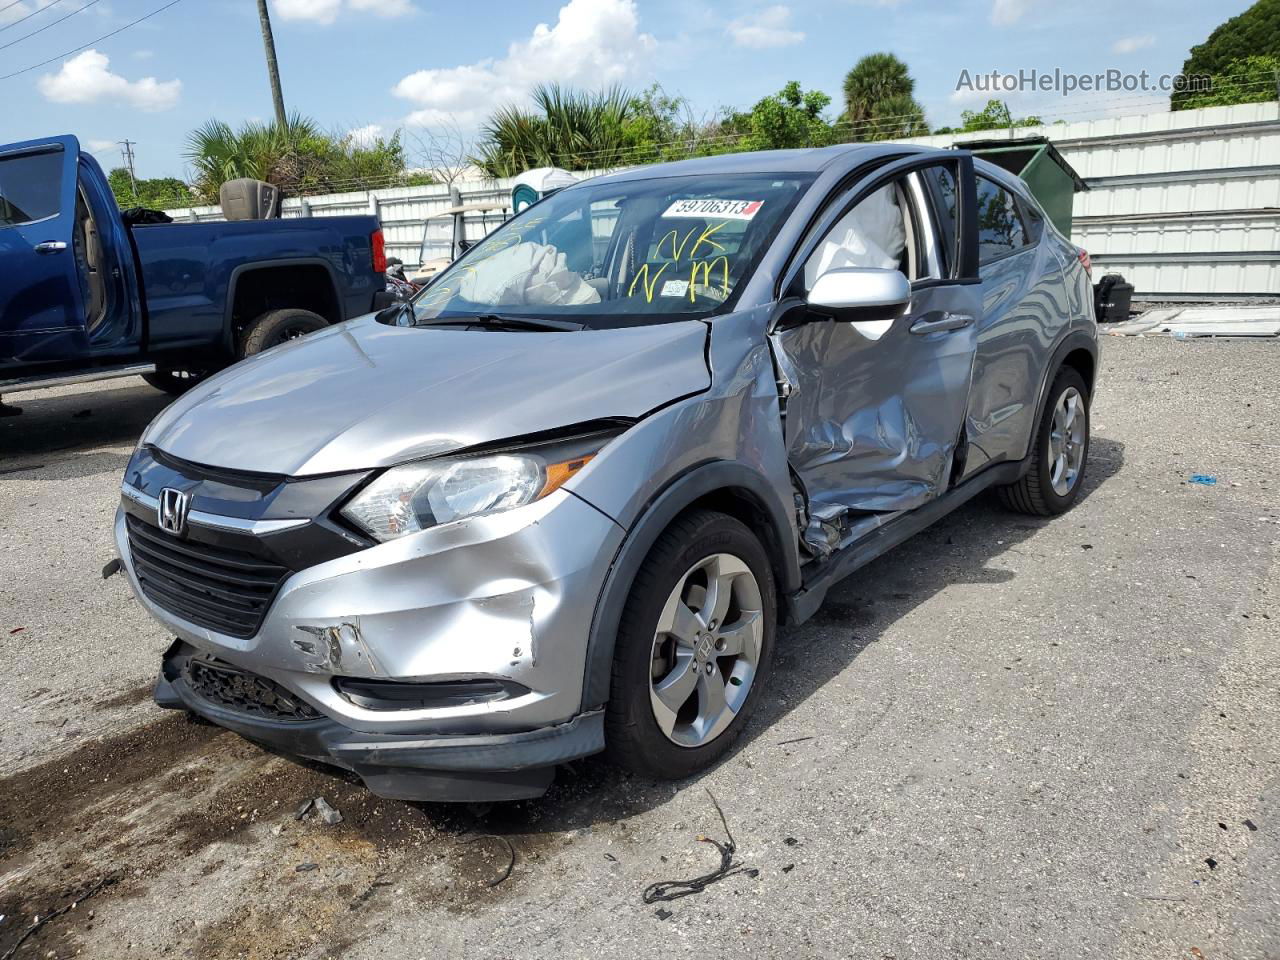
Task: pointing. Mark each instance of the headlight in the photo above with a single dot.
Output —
(416, 496)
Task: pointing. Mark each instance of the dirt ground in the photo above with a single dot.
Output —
(1009, 737)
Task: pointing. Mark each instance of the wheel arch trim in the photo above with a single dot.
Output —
(684, 491)
(255, 266)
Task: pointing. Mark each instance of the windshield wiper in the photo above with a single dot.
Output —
(500, 321)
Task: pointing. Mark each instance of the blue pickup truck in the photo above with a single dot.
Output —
(86, 295)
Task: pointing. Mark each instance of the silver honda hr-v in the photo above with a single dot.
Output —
(560, 503)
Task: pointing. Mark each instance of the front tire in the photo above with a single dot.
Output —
(1060, 454)
(694, 648)
(279, 326)
(174, 382)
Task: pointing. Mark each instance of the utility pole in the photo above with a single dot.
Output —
(273, 72)
(127, 154)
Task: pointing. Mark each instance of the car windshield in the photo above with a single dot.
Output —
(618, 254)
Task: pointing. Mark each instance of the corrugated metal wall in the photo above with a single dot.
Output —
(1186, 205)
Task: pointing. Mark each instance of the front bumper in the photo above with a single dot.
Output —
(450, 768)
(506, 597)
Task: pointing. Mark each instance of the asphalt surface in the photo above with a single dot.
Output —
(1009, 737)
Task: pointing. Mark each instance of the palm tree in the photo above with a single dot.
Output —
(574, 129)
(299, 158)
(874, 81)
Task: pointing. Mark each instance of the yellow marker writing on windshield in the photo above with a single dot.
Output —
(649, 284)
(706, 238)
(707, 267)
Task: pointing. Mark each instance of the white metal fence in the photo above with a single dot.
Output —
(1186, 205)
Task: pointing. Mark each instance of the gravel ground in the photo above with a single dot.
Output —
(1009, 738)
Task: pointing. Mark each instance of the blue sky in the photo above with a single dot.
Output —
(384, 64)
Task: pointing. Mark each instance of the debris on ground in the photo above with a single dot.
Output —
(663, 914)
(667, 890)
(1184, 323)
(790, 841)
(788, 868)
(106, 881)
(1211, 862)
(783, 743)
(304, 809)
(1204, 479)
(306, 867)
(511, 855)
(1251, 825)
(327, 813)
(111, 569)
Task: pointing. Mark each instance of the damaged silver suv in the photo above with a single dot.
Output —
(560, 502)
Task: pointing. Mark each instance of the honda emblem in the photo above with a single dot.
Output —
(172, 510)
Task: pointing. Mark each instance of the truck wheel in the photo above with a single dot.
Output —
(278, 326)
(1060, 453)
(694, 648)
(174, 382)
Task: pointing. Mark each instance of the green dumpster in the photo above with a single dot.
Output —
(1037, 161)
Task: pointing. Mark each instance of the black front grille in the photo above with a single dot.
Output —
(228, 686)
(215, 587)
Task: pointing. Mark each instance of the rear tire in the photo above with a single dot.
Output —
(709, 579)
(1060, 453)
(279, 326)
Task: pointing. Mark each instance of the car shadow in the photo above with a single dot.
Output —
(957, 549)
(59, 423)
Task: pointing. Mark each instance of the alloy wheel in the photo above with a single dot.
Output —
(706, 650)
(1067, 436)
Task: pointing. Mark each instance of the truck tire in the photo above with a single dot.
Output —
(1060, 452)
(278, 326)
(691, 658)
(174, 382)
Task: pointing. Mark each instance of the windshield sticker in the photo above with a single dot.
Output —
(675, 288)
(724, 209)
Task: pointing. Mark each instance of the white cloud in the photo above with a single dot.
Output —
(100, 146)
(594, 43)
(16, 11)
(1005, 12)
(324, 12)
(365, 136)
(384, 8)
(143, 54)
(1133, 44)
(85, 78)
(769, 27)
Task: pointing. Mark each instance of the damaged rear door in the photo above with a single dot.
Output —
(874, 404)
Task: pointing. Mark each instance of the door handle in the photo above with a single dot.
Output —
(948, 321)
(51, 246)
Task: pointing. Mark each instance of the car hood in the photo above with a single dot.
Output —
(363, 394)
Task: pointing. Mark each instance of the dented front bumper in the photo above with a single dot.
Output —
(507, 597)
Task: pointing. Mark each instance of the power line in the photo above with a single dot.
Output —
(48, 25)
(105, 36)
(38, 9)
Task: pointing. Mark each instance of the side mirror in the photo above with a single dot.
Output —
(860, 293)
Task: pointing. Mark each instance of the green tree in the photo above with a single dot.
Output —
(1254, 33)
(879, 100)
(573, 129)
(299, 158)
(994, 116)
(1248, 80)
(157, 193)
(787, 119)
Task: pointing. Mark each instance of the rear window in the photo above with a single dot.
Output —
(1000, 230)
(29, 187)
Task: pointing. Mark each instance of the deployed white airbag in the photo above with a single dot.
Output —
(526, 273)
(870, 235)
